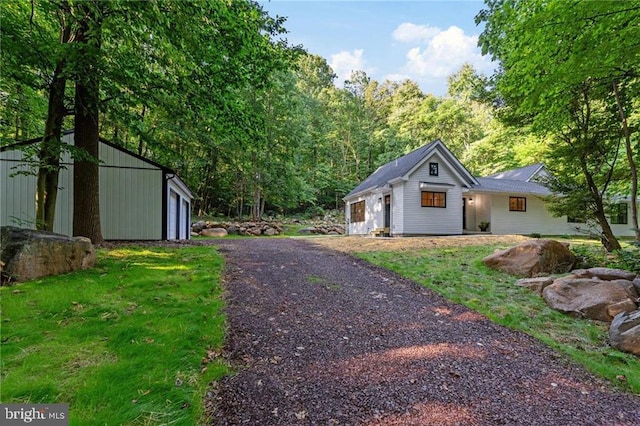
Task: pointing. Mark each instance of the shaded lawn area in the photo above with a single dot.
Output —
(132, 341)
(458, 274)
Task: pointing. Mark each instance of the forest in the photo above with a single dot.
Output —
(255, 125)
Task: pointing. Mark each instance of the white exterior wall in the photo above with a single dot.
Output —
(535, 220)
(432, 220)
(179, 216)
(130, 197)
(373, 216)
(17, 193)
(397, 209)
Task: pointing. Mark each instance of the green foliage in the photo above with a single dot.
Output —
(459, 275)
(122, 343)
(569, 69)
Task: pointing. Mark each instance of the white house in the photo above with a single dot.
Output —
(429, 192)
(139, 199)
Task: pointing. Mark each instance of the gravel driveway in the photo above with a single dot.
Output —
(321, 338)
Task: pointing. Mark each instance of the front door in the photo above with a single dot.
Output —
(387, 214)
(464, 213)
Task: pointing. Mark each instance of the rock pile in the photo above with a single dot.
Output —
(222, 229)
(324, 229)
(601, 294)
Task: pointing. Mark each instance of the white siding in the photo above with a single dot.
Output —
(420, 220)
(17, 192)
(179, 215)
(131, 197)
(535, 220)
(397, 209)
(373, 216)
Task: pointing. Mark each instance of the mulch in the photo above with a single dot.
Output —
(318, 337)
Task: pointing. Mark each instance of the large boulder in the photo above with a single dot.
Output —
(591, 297)
(533, 258)
(624, 332)
(29, 254)
(214, 232)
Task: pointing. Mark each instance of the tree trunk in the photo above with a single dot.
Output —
(86, 195)
(49, 164)
(50, 149)
(632, 164)
(609, 241)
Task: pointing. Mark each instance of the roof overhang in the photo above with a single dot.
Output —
(437, 185)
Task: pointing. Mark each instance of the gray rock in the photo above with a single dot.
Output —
(198, 226)
(29, 254)
(533, 258)
(624, 332)
(270, 232)
(590, 297)
(307, 230)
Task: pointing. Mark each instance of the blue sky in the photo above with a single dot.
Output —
(422, 40)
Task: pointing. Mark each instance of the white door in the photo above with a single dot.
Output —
(172, 229)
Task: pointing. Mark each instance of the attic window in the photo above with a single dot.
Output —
(433, 169)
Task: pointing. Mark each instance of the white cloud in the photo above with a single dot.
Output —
(396, 77)
(439, 53)
(343, 63)
(408, 32)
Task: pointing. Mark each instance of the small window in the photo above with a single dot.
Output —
(619, 214)
(434, 199)
(433, 169)
(517, 204)
(357, 212)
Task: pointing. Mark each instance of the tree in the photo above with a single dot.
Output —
(561, 64)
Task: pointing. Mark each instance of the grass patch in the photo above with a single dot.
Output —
(122, 343)
(459, 275)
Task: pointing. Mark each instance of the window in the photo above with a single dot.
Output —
(619, 214)
(517, 204)
(434, 199)
(576, 219)
(433, 169)
(357, 212)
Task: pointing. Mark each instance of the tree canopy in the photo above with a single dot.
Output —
(214, 90)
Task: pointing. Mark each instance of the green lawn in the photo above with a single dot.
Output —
(122, 343)
(459, 275)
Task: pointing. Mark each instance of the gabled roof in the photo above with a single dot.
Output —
(514, 186)
(522, 180)
(403, 166)
(524, 174)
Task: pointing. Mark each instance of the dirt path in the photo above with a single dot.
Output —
(321, 338)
